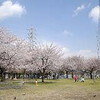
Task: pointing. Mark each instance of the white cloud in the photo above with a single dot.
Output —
(85, 53)
(9, 9)
(95, 14)
(78, 10)
(67, 33)
(68, 53)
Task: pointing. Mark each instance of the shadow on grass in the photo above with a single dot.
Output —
(47, 82)
(41, 83)
(10, 87)
(7, 86)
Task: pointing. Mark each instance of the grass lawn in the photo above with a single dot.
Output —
(62, 89)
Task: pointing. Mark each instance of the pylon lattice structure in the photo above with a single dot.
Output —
(32, 36)
(98, 34)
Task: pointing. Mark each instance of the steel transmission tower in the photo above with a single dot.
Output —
(98, 34)
(32, 36)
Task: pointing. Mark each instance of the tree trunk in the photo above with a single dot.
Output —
(43, 75)
(2, 74)
(2, 77)
(54, 76)
(91, 75)
(19, 75)
(42, 78)
(12, 75)
(9, 75)
(23, 76)
(66, 74)
(72, 74)
(28, 76)
(15, 76)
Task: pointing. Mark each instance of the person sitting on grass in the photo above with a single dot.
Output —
(82, 79)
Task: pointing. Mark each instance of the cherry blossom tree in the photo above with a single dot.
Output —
(13, 52)
(46, 58)
(73, 64)
(20, 56)
(6, 41)
(92, 64)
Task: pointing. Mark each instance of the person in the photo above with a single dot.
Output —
(82, 79)
(23, 82)
(76, 78)
(36, 82)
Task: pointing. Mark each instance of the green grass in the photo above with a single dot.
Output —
(63, 89)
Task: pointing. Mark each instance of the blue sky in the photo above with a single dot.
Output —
(69, 23)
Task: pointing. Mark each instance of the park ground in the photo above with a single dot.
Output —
(62, 89)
